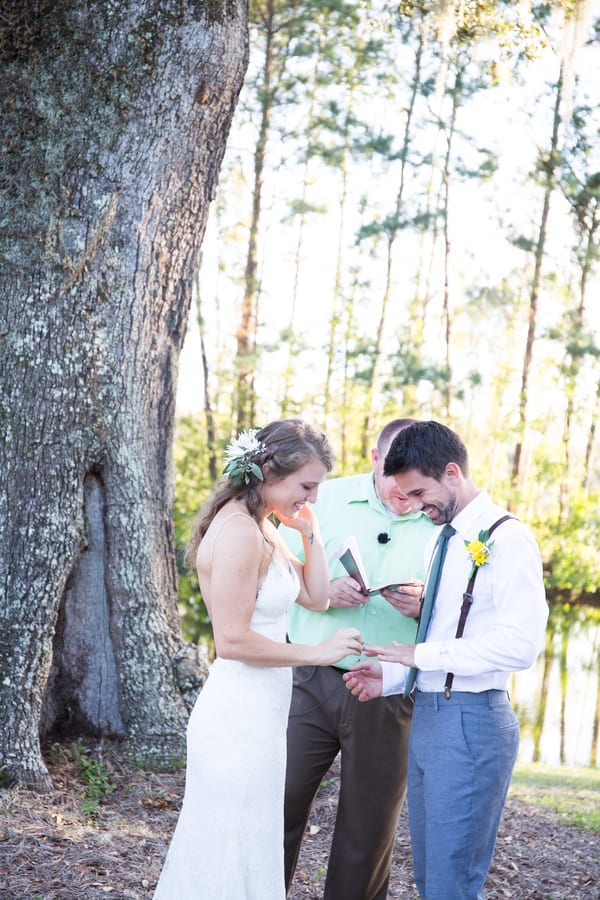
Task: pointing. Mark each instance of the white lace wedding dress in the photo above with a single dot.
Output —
(228, 844)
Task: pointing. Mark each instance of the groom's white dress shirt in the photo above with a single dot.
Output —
(505, 627)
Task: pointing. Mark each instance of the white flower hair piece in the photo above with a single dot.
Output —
(238, 458)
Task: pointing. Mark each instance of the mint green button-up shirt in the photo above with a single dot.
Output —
(349, 506)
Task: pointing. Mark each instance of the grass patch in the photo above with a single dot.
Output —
(571, 793)
(170, 766)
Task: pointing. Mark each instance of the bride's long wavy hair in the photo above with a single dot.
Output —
(289, 444)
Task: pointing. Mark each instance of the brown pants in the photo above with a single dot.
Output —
(373, 739)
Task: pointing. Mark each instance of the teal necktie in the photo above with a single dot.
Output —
(439, 554)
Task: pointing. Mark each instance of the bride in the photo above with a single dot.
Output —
(228, 843)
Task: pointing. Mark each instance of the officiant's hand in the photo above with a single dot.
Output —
(346, 592)
(406, 599)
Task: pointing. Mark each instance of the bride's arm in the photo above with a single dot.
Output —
(314, 571)
(237, 557)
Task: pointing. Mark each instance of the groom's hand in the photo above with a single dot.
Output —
(364, 680)
(397, 653)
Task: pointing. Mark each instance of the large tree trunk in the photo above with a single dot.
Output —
(114, 123)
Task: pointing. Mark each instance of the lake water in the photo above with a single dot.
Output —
(582, 686)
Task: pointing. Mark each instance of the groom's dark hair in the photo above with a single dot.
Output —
(427, 447)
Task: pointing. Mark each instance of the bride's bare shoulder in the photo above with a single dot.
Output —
(231, 524)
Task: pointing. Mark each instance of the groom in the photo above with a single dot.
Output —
(464, 736)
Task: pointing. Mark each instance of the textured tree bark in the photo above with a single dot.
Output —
(114, 121)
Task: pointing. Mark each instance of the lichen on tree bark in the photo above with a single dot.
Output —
(111, 157)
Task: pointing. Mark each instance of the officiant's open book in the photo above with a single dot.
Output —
(350, 558)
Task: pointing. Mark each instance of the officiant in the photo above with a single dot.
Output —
(325, 718)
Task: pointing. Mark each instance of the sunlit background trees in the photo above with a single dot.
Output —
(408, 223)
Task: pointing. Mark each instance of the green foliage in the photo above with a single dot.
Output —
(570, 547)
(95, 777)
(192, 488)
(409, 368)
(571, 793)
(173, 764)
(486, 168)
(383, 112)
(524, 243)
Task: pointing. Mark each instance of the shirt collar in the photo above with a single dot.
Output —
(375, 502)
(363, 488)
(465, 521)
(364, 492)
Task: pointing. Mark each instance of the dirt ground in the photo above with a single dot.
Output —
(51, 850)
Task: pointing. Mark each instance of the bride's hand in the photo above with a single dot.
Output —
(344, 642)
(305, 522)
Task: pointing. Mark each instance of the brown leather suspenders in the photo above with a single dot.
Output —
(466, 606)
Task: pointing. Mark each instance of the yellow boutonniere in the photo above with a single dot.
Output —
(479, 550)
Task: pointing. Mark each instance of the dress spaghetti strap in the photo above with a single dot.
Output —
(220, 528)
